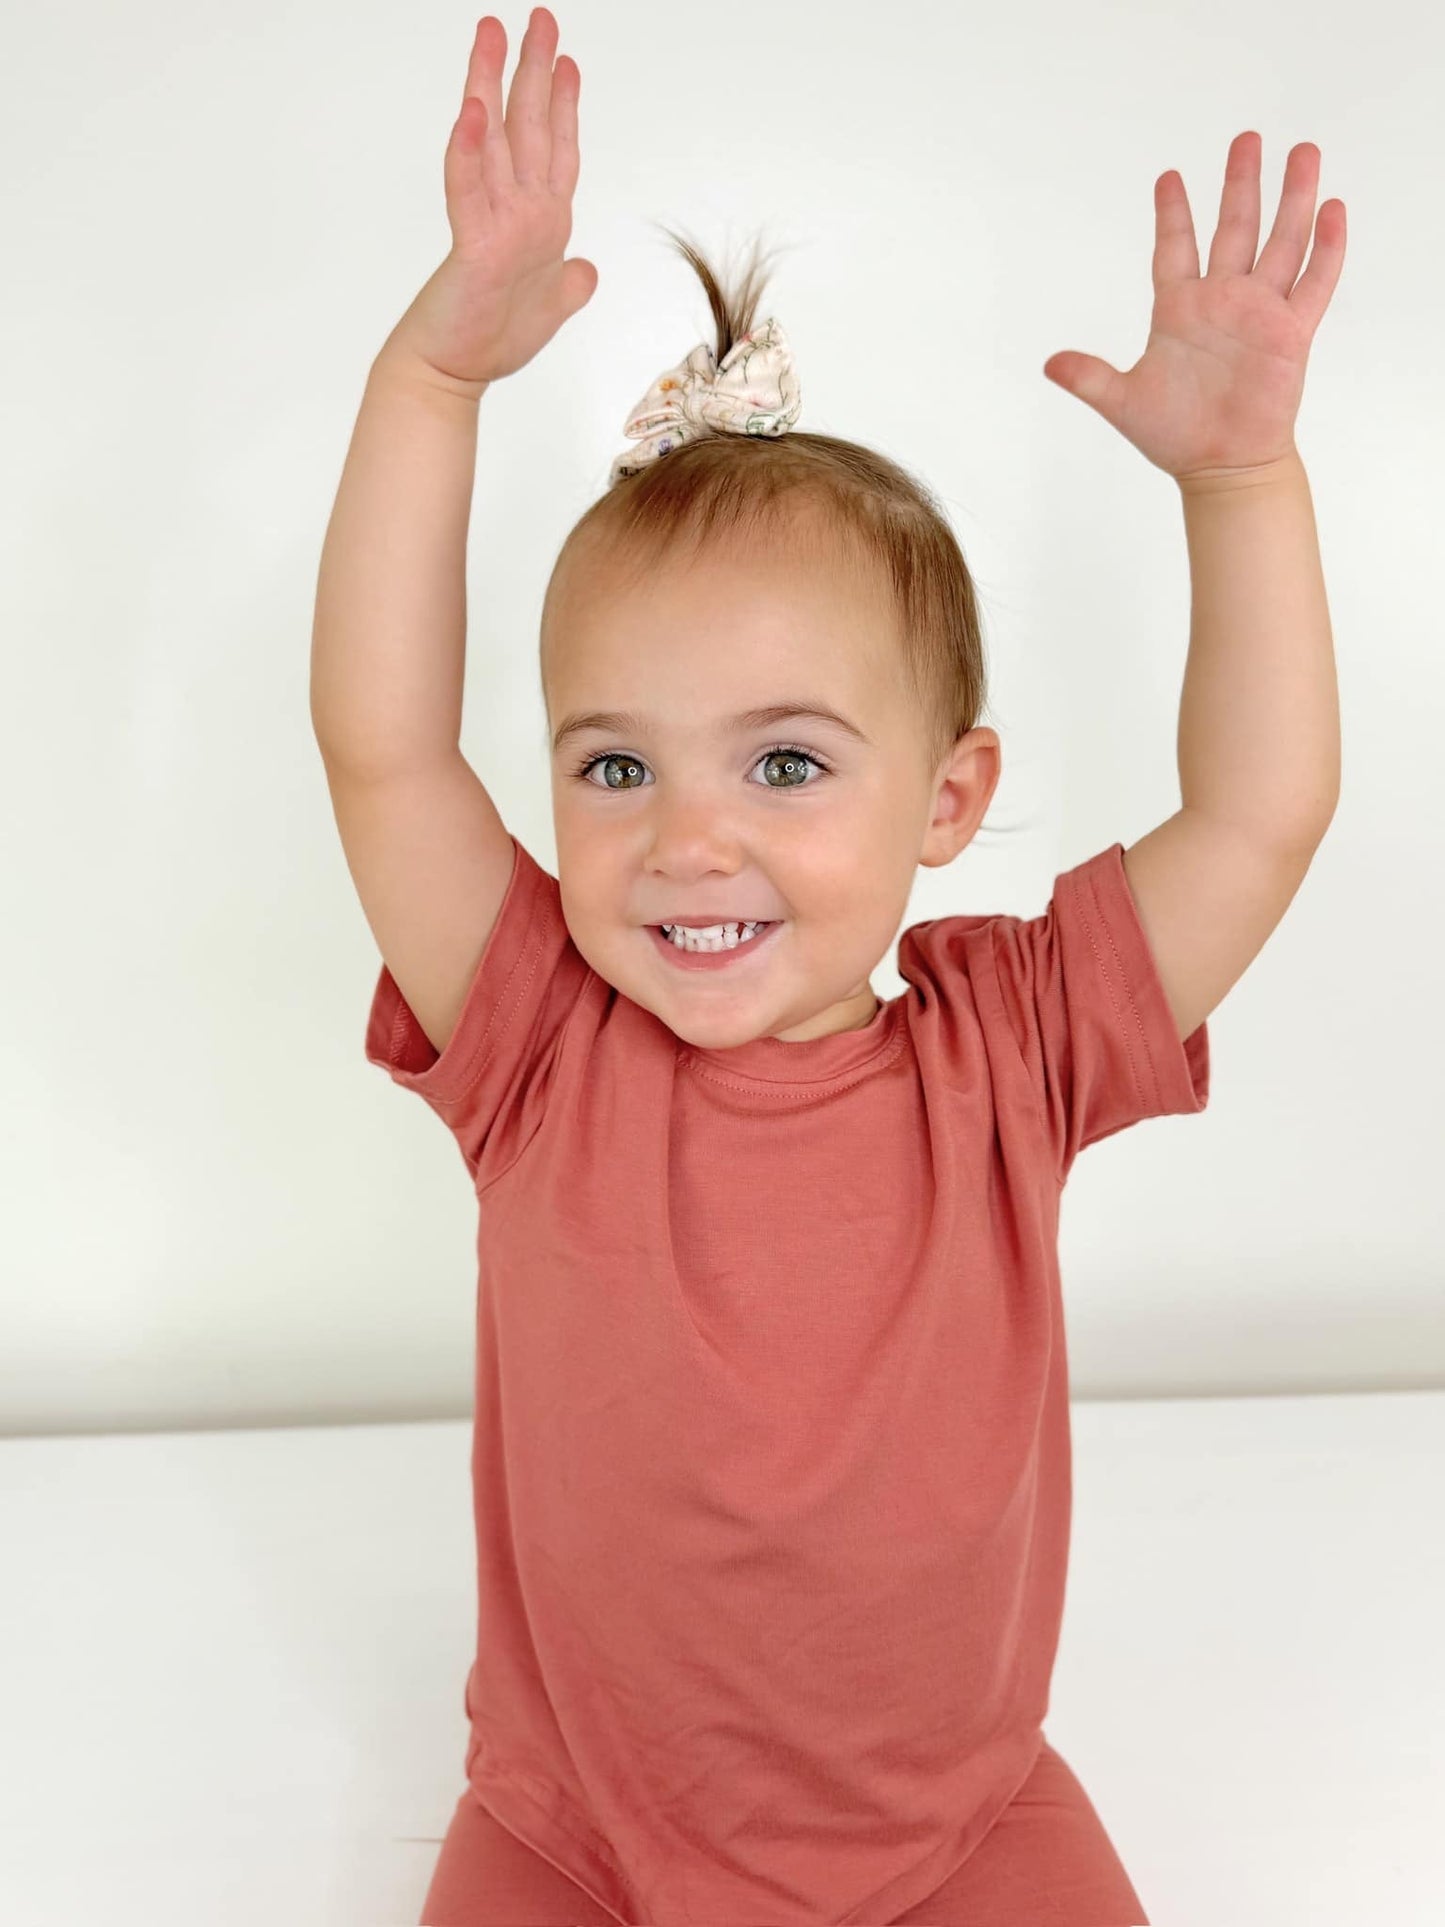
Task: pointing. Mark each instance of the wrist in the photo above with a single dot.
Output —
(1288, 467)
(400, 363)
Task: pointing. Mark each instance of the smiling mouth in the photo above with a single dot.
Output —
(747, 929)
(718, 950)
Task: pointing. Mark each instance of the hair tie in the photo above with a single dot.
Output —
(754, 390)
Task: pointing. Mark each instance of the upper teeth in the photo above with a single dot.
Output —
(712, 936)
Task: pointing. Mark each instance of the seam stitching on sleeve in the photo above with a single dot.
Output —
(1148, 1087)
(502, 1011)
(483, 1186)
(1006, 1029)
(399, 1031)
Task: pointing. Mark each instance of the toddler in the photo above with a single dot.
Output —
(771, 1454)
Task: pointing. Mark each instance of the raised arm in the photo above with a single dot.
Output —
(1212, 401)
(388, 642)
(430, 856)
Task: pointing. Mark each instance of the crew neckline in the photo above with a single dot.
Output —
(813, 1060)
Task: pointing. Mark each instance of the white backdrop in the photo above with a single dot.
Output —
(216, 1212)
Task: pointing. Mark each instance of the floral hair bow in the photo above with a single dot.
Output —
(753, 391)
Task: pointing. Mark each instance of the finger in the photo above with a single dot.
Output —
(461, 171)
(1237, 236)
(484, 80)
(1176, 253)
(1312, 292)
(1284, 252)
(461, 167)
(529, 132)
(566, 85)
(1090, 380)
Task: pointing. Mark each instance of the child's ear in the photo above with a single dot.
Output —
(966, 783)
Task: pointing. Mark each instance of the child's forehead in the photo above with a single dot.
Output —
(747, 619)
(721, 677)
(726, 636)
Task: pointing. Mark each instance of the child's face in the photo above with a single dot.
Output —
(690, 815)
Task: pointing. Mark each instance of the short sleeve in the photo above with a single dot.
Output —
(1082, 993)
(489, 1085)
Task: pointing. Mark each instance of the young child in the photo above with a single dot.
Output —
(771, 1459)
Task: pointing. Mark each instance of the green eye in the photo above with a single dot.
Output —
(610, 757)
(790, 755)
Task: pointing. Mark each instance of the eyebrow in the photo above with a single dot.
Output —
(625, 722)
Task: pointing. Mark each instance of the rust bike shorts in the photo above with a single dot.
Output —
(1045, 1862)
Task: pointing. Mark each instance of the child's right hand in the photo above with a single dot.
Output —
(504, 290)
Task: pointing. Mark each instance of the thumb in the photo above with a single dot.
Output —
(1092, 380)
(577, 287)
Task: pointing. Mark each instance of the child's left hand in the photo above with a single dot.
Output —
(1219, 383)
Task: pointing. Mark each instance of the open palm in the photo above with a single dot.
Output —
(1219, 383)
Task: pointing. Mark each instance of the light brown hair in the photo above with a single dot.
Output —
(820, 491)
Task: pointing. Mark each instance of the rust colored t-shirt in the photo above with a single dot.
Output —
(771, 1458)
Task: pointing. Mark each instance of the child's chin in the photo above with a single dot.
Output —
(703, 1036)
